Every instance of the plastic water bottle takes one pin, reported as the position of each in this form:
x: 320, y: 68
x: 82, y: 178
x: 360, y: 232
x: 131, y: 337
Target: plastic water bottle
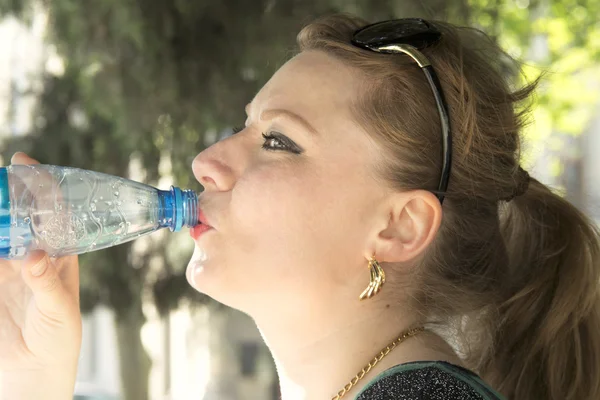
x: 64, y: 210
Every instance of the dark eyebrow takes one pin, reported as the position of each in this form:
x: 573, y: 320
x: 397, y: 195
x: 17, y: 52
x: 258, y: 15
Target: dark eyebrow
x: 282, y: 113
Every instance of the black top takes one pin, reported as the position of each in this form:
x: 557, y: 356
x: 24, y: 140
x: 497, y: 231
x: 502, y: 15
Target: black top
x: 428, y: 380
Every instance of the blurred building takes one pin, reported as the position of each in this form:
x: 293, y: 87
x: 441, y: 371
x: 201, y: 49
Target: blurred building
x: 196, y: 355
x: 23, y: 55
x: 589, y: 168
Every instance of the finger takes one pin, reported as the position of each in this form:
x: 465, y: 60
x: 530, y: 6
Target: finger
x: 22, y: 158
x: 7, y: 271
x: 69, y: 274
x: 41, y: 276
x: 42, y: 183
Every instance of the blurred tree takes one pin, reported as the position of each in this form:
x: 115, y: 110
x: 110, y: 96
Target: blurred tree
x: 153, y: 82
x: 561, y: 38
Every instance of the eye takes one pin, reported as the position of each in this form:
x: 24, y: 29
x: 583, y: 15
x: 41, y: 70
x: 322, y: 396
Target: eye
x: 275, y: 141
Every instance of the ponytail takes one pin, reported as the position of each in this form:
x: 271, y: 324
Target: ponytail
x: 547, y: 341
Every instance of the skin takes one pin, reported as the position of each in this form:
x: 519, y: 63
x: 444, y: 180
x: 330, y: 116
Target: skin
x: 293, y: 232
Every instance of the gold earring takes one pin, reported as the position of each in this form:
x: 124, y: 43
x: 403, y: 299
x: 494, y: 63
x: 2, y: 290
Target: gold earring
x: 377, y: 279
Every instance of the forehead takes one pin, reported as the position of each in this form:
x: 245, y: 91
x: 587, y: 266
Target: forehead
x: 314, y: 84
x: 322, y: 90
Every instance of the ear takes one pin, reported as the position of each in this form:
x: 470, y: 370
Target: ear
x: 409, y: 222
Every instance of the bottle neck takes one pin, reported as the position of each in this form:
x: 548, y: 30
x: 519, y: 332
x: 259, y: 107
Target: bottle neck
x: 177, y: 208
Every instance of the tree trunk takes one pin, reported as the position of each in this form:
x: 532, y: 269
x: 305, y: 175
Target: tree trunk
x: 135, y: 362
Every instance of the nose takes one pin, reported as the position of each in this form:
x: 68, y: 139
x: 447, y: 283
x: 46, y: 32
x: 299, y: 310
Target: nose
x: 212, y: 170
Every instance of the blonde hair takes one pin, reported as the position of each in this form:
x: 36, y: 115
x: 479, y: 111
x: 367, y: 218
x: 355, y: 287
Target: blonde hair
x: 520, y: 276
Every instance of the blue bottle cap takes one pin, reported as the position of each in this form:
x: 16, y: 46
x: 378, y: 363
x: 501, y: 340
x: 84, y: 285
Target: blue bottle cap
x: 4, y: 214
x: 178, y: 209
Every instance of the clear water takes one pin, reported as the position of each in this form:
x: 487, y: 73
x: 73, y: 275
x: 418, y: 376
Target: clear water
x: 73, y: 211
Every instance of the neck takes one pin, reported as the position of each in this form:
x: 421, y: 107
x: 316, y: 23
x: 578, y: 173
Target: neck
x: 317, y: 351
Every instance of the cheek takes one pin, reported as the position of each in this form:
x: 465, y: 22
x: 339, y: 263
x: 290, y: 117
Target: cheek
x: 271, y: 198
x: 294, y: 212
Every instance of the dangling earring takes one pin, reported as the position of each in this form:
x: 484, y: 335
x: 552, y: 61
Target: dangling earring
x: 377, y: 279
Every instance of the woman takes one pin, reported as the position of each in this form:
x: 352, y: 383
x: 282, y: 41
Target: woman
x: 367, y: 206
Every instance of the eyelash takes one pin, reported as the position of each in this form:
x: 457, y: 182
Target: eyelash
x: 285, y: 143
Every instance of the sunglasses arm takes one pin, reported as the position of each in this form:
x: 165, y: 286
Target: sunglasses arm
x: 442, y: 107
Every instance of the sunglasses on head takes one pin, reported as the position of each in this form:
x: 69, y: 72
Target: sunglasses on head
x: 408, y: 36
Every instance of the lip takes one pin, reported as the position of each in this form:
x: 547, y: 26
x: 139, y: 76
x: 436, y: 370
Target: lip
x: 202, y: 227
x: 199, y: 230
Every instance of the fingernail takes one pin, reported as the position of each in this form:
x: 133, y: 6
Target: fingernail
x: 39, y: 268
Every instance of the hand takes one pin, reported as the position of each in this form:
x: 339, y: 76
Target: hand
x: 40, y: 320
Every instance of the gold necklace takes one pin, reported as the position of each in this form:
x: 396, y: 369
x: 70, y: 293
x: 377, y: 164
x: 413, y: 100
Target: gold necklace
x: 384, y: 352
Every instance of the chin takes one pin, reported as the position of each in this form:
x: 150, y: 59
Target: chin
x: 211, y: 281
x: 201, y: 276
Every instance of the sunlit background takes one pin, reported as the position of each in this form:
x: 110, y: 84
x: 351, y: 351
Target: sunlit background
x: 137, y: 88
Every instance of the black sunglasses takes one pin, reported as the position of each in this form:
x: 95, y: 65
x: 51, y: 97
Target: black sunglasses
x: 408, y: 36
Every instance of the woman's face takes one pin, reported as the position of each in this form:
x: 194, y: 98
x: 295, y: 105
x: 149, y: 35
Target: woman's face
x: 291, y: 222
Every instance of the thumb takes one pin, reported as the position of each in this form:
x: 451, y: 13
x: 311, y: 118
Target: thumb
x: 41, y: 276
x: 22, y: 158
